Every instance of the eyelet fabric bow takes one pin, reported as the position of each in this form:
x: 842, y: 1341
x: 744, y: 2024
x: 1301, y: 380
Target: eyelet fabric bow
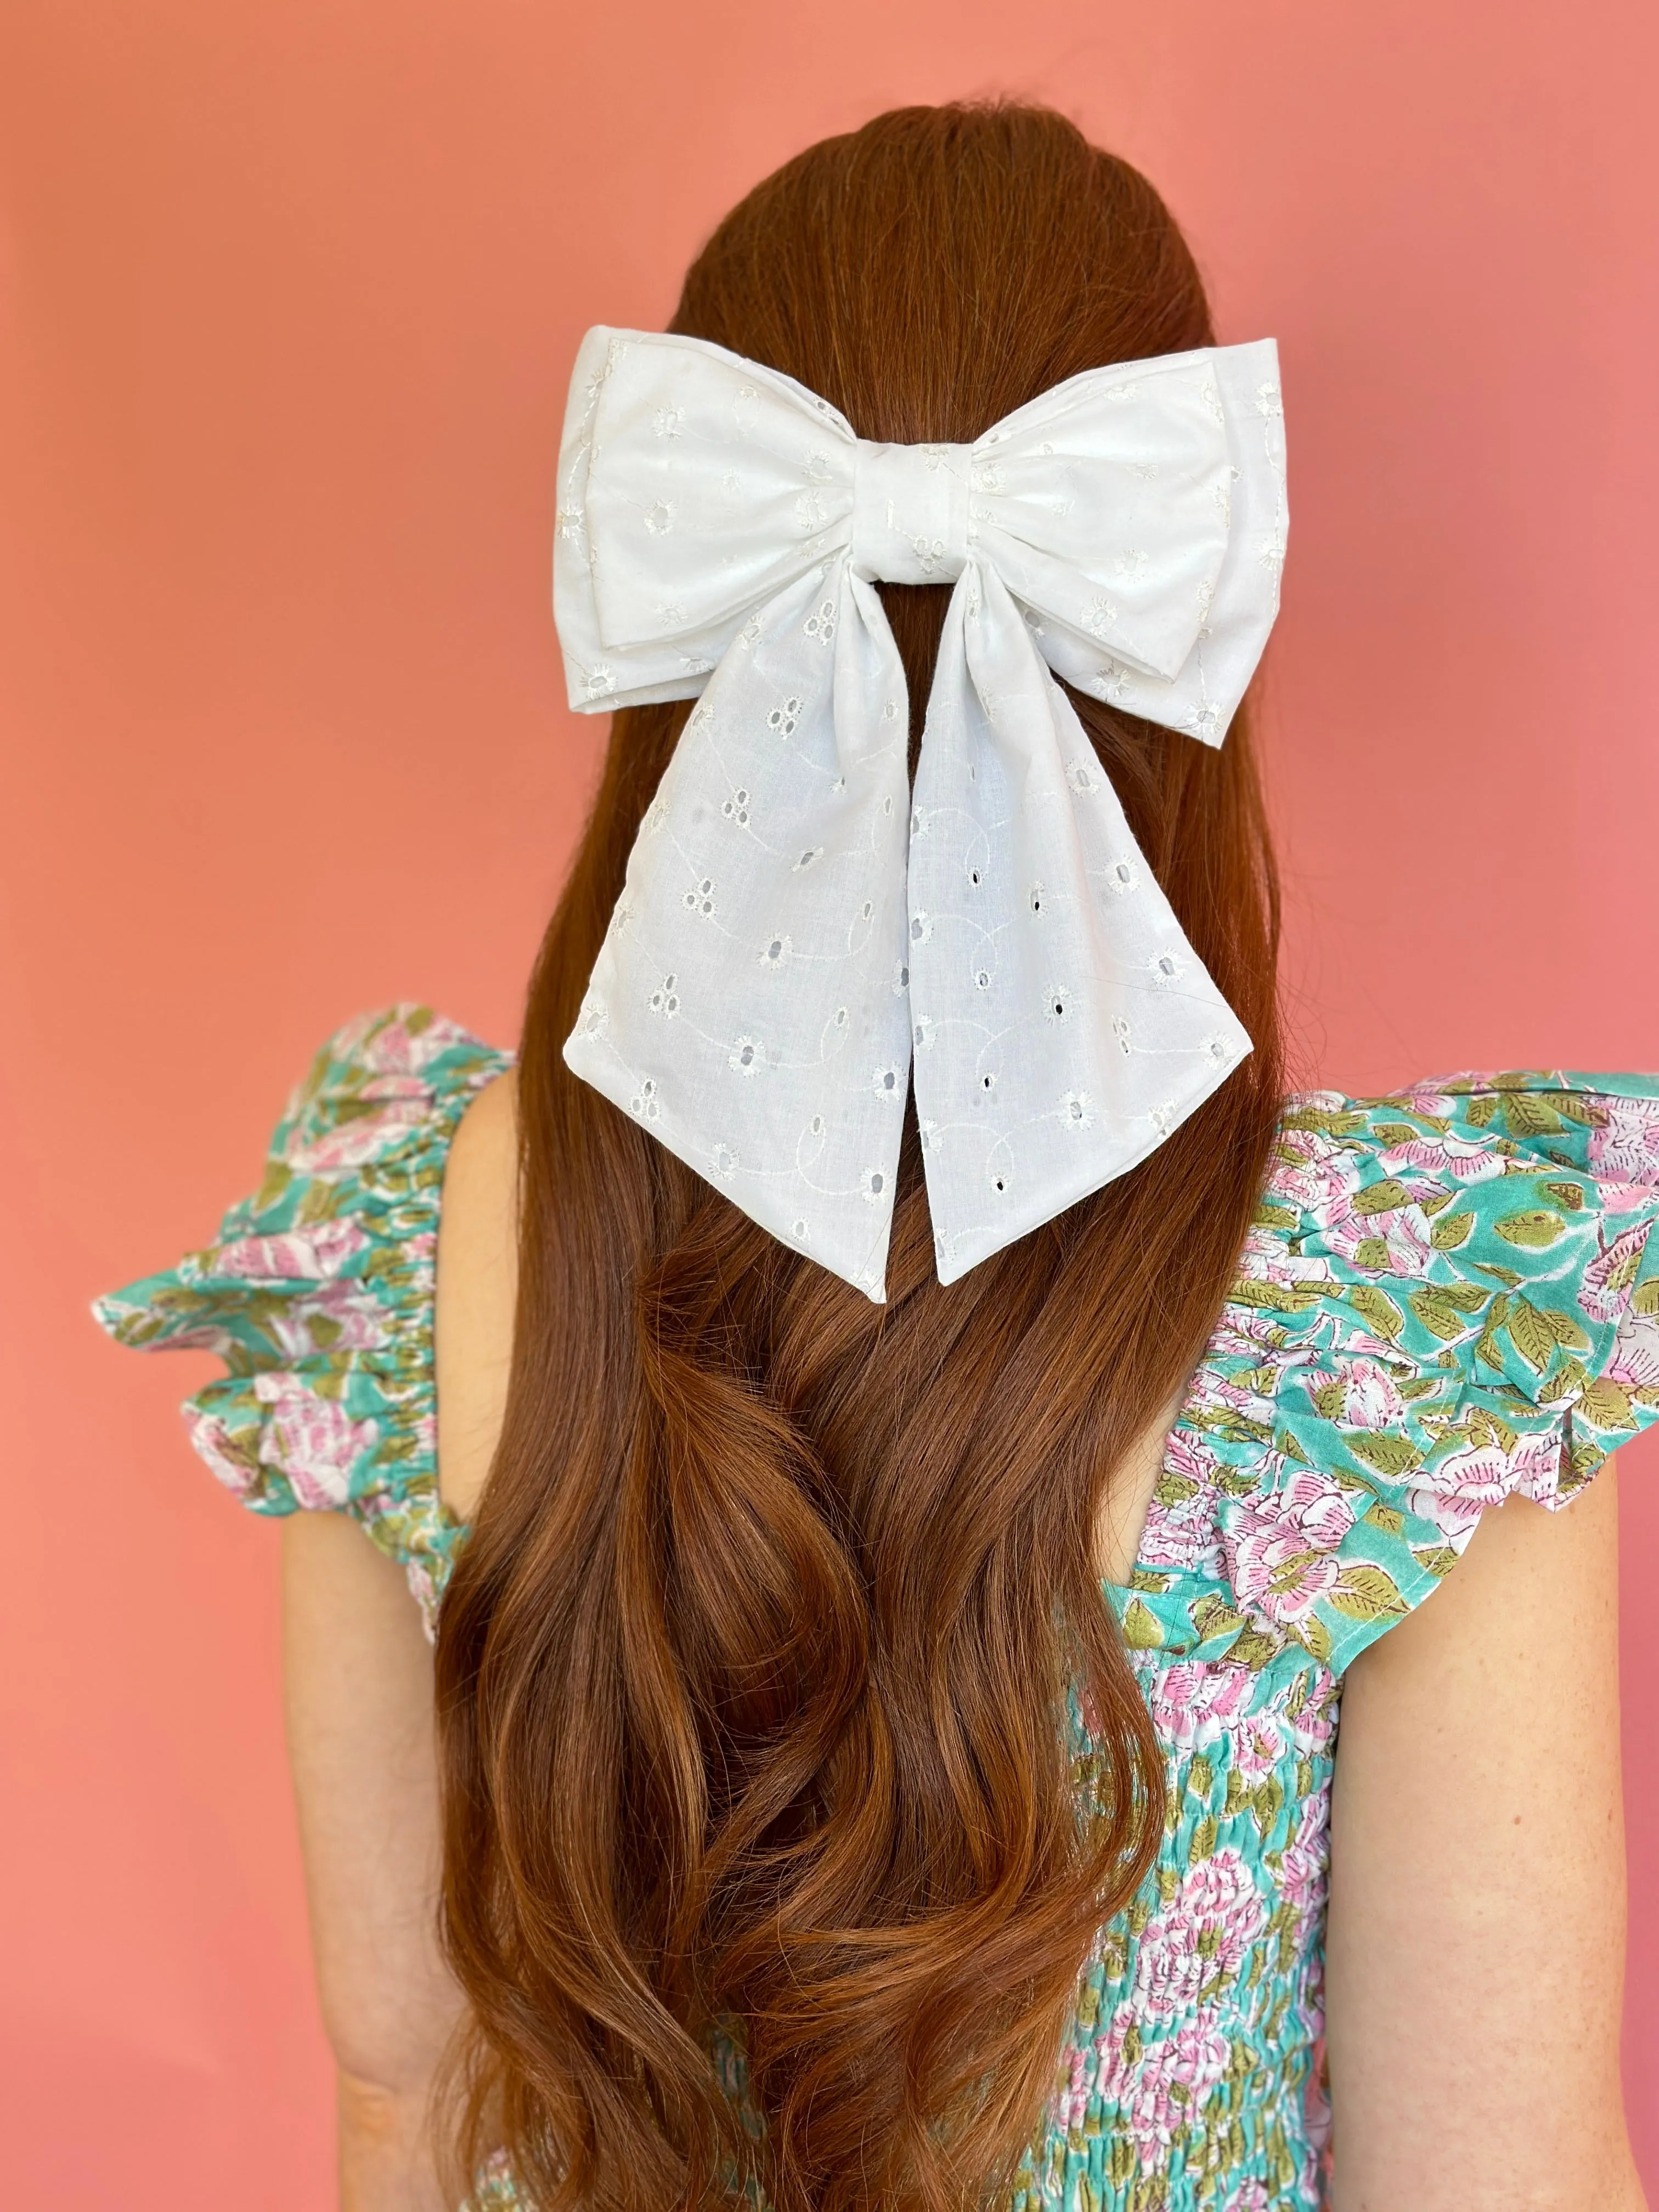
x: 800, y: 933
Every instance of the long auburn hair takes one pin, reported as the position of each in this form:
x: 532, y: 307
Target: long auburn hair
x: 753, y: 1676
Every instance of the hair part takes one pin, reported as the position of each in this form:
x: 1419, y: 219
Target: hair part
x: 755, y: 1673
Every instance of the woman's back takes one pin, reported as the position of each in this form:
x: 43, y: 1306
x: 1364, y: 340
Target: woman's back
x: 1446, y: 1302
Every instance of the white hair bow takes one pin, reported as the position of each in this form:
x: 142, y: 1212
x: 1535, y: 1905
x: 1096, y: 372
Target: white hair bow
x: 797, y: 923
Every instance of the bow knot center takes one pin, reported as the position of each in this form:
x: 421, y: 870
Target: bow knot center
x: 909, y: 513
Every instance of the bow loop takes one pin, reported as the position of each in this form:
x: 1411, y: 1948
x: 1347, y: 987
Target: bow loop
x: 798, y: 931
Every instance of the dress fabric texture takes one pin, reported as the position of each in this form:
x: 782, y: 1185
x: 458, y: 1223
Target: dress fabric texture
x: 1450, y: 1296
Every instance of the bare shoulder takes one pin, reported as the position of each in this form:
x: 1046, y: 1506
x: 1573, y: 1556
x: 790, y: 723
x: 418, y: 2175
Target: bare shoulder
x: 1476, y: 1928
x: 477, y: 1286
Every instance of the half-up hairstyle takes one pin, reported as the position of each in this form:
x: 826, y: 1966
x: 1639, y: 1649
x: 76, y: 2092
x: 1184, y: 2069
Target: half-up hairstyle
x: 770, y: 1861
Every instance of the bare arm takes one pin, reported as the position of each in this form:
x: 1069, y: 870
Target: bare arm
x: 361, y: 1737
x: 1477, y: 1916
x: 359, y: 1692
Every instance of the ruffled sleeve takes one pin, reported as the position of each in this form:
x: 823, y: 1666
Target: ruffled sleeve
x: 319, y: 1292
x: 1450, y: 1297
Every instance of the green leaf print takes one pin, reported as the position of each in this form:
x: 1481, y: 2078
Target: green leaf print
x: 1269, y: 1216
x: 1486, y: 1348
x: 1446, y: 1235
x: 1435, y: 1558
x: 1534, y: 1229
x: 1565, y: 1330
x: 277, y: 1177
x: 1212, y: 1616
x: 1376, y: 1309
x: 1389, y: 1456
x: 1437, y: 1312
x: 1141, y: 1631
x: 1569, y: 1194
x: 1275, y: 1298
x: 1575, y: 1106
x: 1252, y: 1649
x: 1385, y: 1518
x: 1527, y: 1115
x: 1315, y: 1637
x: 1606, y: 1405
x: 1530, y: 1334
x: 1365, y: 1592
x: 1384, y: 1197
x: 1645, y: 1298
x: 1148, y: 1579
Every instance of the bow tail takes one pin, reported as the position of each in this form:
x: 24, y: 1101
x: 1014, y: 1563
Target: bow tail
x: 748, y: 1007
x: 1063, y: 1024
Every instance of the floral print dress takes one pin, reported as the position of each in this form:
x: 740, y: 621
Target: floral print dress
x: 1450, y: 1296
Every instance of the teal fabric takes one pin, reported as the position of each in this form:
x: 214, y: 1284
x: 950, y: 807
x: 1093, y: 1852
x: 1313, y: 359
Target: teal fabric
x: 318, y: 1294
x: 1450, y: 1296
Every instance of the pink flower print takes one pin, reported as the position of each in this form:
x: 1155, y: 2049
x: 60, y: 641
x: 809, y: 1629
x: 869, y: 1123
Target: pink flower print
x: 1249, y: 2196
x: 1312, y: 1728
x: 337, y: 1317
x: 1257, y: 1746
x: 1155, y: 2092
x: 1635, y: 1358
x: 1198, y: 1941
x: 1213, y: 1392
x: 311, y: 1439
x: 391, y: 1048
x: 1311, y: 1172
x: 1282, y: 1544
x: 1461, y: 1158
x: 1610, y: 1276
x: 1453, y: 1493
x: 1197, y: 2055
x: 1114, y: 2077
x: 352, y: 1143
x: 1429, y: 1098
x: 309, y: 1255
x: 1072, y: 2106
x: 1371, y: 1397
x: 1182, y: 1533
x: 1626, y: 1147
x: 1193, y: 1701
x: 1394, y: 1243
x: 1265, y: 1260
x: 208, y: 1435
x: 1247, y: 1332
x: 1305, y: 1869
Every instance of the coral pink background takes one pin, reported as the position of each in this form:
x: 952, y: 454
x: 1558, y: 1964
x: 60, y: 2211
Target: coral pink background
x: 289, y: 293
